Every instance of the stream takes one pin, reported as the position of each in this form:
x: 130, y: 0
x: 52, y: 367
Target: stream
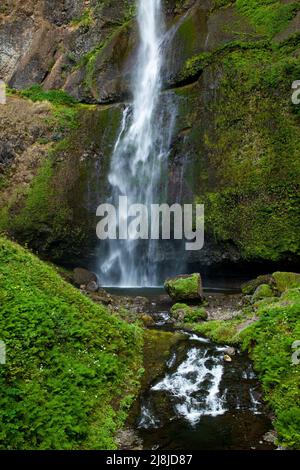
x: 191, y: 398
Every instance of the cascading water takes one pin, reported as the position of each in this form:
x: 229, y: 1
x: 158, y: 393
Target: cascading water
x: 140, y: 155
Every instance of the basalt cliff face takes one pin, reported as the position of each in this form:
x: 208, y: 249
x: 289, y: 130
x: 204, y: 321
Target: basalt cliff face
x: 236, y: 143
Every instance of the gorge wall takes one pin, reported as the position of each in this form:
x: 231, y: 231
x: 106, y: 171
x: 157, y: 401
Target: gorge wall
x: 236, y: 142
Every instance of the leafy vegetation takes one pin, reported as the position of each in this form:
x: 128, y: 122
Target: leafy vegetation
x: 189, y: 313
x: 268, y: 330
x: 268, y: 16
x: 71, y: 367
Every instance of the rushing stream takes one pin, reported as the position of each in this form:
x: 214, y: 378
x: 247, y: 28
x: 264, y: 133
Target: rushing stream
x: 195, y: 399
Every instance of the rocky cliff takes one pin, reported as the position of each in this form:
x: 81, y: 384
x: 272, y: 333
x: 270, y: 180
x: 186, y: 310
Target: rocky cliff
x: 236, y: 145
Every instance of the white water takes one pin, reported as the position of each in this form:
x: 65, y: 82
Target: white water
x: 196, y: 387
x: 140, y: 154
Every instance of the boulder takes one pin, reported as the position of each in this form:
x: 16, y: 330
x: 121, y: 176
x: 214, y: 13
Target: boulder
x: 230, y: 351
x: 185, y: 287
x: 261, y: 292
x: 188, y: 314
x: 83, y: 277
x: 284, y: 281
x: 227, y: 358
x: 249, y: 287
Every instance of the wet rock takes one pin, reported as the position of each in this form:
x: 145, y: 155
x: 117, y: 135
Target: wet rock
x: 147, y: 319
x: 92, y: 286
x: 270, y: 436
x: 227, y: 358
x: 230, y: 351
x: 185, y: 288
x: 83, y: 277
x: 101, y: 296
x: 127, y: 439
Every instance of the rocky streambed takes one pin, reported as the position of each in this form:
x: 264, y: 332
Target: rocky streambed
x: 194, y: 395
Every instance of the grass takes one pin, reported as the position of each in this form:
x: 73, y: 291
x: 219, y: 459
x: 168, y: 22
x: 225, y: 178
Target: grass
x: 71, y: 367
x: 269, y: 342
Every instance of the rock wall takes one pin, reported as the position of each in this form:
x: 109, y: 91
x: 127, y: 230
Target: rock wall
x: 236, y: 144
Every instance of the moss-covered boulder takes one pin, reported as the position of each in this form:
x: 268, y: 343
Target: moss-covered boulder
x: 188, y: 314
x: 249, y: 287
x: 261, y: 292
x: 187, y: 287
x: 284, y: 281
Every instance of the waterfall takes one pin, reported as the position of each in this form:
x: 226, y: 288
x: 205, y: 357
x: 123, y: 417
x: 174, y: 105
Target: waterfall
x: 139, y: 159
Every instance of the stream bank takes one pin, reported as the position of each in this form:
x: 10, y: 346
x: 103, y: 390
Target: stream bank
x: 190, y: 397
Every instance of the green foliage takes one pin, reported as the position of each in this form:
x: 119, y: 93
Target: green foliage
x: 284, y: 281
x: 191, y: 314
x: 219, y: 330
x: 249, y: 287
x: 85, y: 20
x: 183, y: 287
x: 255, y: 155
x: 269, y: 341
x: 262, y: 291
x: 68, y: 360
x: 58, y: 97
x: 268, y: 16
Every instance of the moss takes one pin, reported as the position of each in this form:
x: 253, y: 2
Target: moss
x: 254, y: 156
x: 268, y: 16
x: 269, y: 339
x: 262, y: 291
x: 56, y: 214
x: 85, y: 21
x: 220, y: 331
x: 72, y: 368
x: 187, y: 313
x: 284, y: 281
x: 184, y: 287
x: 249, y: 287
x: 57, y: 97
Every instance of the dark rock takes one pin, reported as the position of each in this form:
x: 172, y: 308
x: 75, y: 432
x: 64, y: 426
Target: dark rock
x: 7, y: 155
x: 83, y: 277
x: 92, y: 286
x: 230, y: 351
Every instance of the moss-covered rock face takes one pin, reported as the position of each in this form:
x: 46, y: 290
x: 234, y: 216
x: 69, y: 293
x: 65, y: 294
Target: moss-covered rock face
x: 58, y: 176
x: 185, y: 287
x: 188, y: 314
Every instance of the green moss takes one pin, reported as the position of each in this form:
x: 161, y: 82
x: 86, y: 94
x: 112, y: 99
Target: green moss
x: 58, y: 97
x: 268, y: 16
x: 184, y: 287
x: 249, y: 287
x: 85, y: 21
x: 269, y: 341
x: 262, y: 291
x: 253, y: 153
x: 284, y: 281
x: 219, y: 330
x: 190, y: 314
x: 68, y: 360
